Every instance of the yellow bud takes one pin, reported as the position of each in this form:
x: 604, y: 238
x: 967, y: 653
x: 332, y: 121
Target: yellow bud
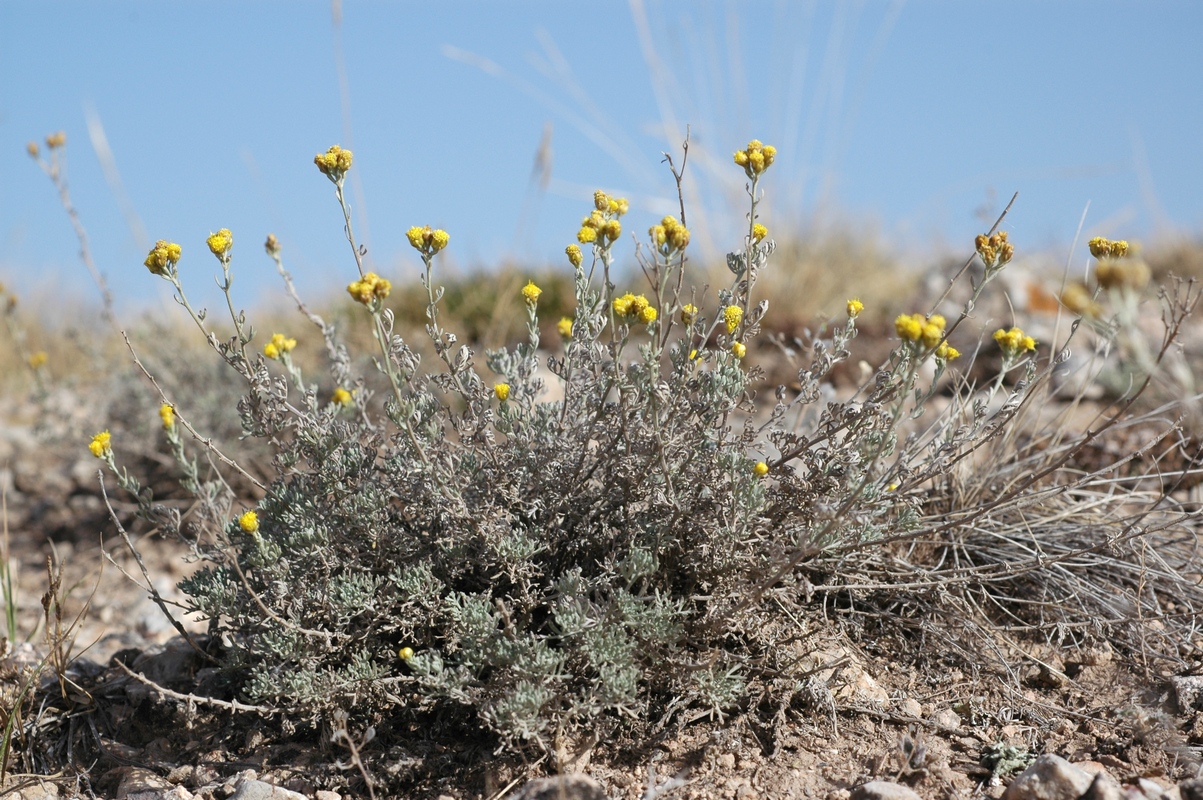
x: 502, y: 391
x: 32, y: 149
x: 564, y: 326
x: 272, y: 244
x: 101, y: 444
x: 531, y: 293
x: 575, y: 258
x: 341, y: 397
x: 739, y: 349
x: 732, y: 316
x: 586, y: 235
x: 689, y: 313
x: 647, y: 316
x: 761, y: 469
x: 220, y: 243
x: 405, y: 653
x: 601, y: 200
x: 249, y: 522
x: 854, y: 308
x: 167, y: 414
x: 759, y: 232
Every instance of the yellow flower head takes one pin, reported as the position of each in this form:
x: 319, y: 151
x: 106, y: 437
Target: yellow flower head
x: 756, y: 157
x: 56, y: 140
x: 586, y: 235
x: 427, y: 240
x: 38, y: 359
x: 739, y: 349
x: 759, y: 232
x: 370, y: 287
x: 638, y: 305
x: 564, y: 326
x: 249, y: 522
x: 933, y: 330
x: 619, y: 206
x: 670, y: 235
x: 909, y: 326
x: 333, y: 163
x: 278, y: 346
x: 405, y: 653
x: 271, y: 244
x: 341, y: 397
x: 163, y: 257
x: 167, y: 414
x: 855, y: 306
x: 575, y: 258
x: 1104, y: 249
x: 502, y: 391
x: 648, y: 315
x: 612, y: 230
x: 689, y: 312
x: 1014, y: 341
x: 733, y: 315
x: 32, y: 149
x: 101, y: 444
x: 220, y: 243
x: 601, y: 200
x: 761, y: 469
x: 947, y: 352
x: 622, y: 305
x: 531, y: 293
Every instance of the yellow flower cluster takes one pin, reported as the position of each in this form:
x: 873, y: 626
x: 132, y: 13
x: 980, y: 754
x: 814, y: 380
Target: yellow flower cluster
x: 56, y: 140
x: 919, y: 328
x: 167, y: 414
x: 1116, y: 268
x: 733, y: 315
x: 1102, y: 248
x: 575, y: 257
x: 739, y: 349
x: 101, y: 444
x: 341, y: 397
x: 278, y: 346
x: 163, y: 257
x: 333, y: 163
x: 946, y: 352
x: 759, y: 232
x: 564, y: 326
x: 756, y: 157
x: 369, y: 288
x: 249, y: 522
x: 669, y: 236
x: 530, y: 293
x: 854, y: 308
x: 994, y: 250
x: 602, y: 224
x: 1014, y: 341
x: 220, y: 243
x: 689, y: 312
x: 501, y: 391
x: 635, y: 307
x: 427, y: 240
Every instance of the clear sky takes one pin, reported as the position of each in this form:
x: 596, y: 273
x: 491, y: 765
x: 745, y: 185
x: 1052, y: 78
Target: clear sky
x: 916, y: 119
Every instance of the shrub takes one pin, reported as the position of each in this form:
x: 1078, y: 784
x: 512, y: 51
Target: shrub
x: 624, y: 549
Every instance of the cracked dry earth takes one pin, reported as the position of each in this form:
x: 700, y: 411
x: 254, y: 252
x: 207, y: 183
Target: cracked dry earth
x: 881, y: 708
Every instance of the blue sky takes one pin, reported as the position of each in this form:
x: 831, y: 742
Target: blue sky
x: 915, y: 120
